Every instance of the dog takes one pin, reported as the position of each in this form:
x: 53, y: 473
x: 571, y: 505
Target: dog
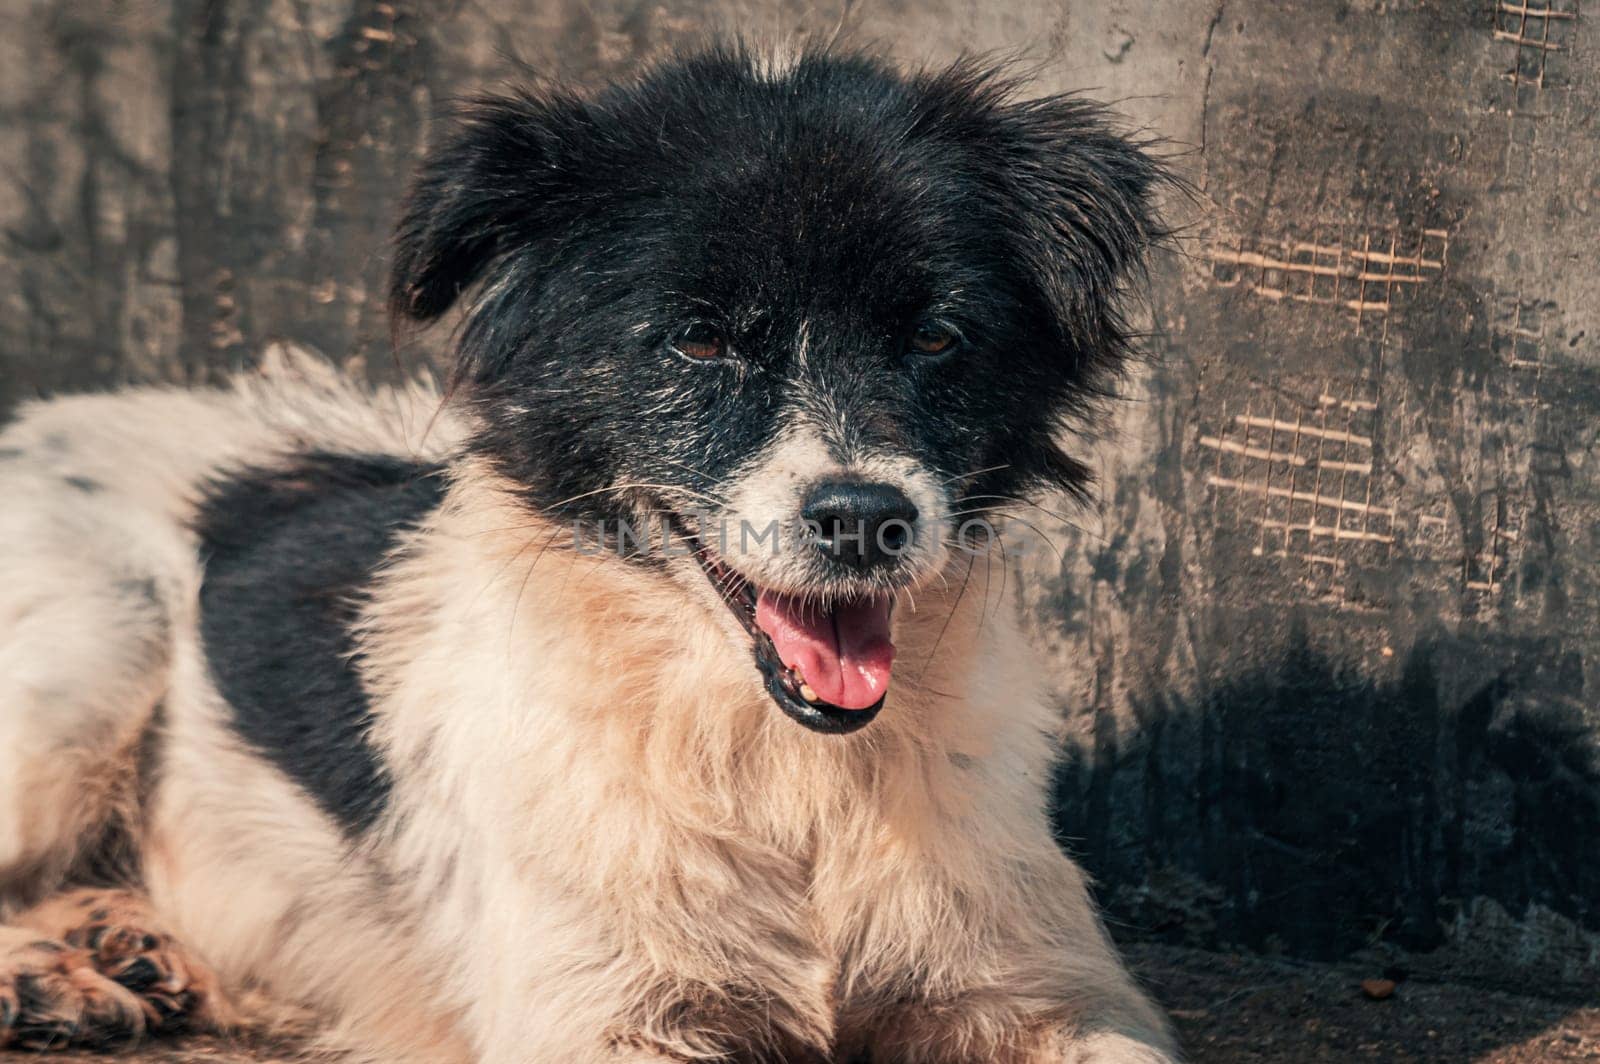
x: 641, y: 692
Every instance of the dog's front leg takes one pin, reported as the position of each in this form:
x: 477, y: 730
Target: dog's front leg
x: 1118, y: 1027
x: 1075, y: 1046
x: 1010, y: 964
x: 1103, y: 1016
x: 1098, y: 1015
x: 601, y: 982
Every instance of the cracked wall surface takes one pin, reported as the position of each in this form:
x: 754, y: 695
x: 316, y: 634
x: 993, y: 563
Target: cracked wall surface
x: 1327, y: 645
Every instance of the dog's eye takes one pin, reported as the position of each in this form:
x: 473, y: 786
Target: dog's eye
x: 934, y: 338
x: 700, y: 341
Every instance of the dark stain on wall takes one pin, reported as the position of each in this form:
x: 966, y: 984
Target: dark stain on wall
x: 1305, y: 808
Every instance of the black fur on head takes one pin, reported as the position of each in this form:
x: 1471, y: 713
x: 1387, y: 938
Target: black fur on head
x: 813, y: 219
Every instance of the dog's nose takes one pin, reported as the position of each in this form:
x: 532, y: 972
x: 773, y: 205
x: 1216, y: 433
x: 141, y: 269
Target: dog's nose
x: 861, y: 524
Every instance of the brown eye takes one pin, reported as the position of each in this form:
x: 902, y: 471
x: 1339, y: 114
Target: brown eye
x: 701, y: 341
x: 934, y: 338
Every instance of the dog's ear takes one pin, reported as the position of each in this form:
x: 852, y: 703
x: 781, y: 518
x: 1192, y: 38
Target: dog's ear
x: 1084, y: 213
x: 1074, y: 195
x: 500, y: 178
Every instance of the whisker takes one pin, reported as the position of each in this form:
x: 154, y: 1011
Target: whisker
x: 548, y: 510
x: 1005, y: 571
x: 915, y: 683
x: 1063, y: 518
x: 932, y: 654
x: 976, y: 472
x: 522, y: 588
x: 686, y: 467
x: 1060, y: 554
x: 1099, y: 537
x: 629, y: 485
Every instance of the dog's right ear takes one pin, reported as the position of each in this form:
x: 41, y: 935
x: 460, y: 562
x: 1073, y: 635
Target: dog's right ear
x: 501, y: 178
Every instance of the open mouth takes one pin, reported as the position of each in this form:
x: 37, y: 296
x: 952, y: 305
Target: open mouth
x: 826, y: 664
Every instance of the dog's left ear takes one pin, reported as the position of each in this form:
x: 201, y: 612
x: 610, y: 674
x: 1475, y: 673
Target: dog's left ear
x: 1078, y: 199
x: 502, y: 178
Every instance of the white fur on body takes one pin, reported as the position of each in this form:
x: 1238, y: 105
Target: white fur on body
x: 604, y: 842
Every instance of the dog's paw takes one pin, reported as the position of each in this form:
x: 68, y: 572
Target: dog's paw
x: 148, y: 963
x: 1107, y: 1047
x: 118, y: 933
x: 53, y: 997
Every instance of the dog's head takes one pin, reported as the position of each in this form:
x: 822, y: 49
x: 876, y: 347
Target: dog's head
x: 815, y: 318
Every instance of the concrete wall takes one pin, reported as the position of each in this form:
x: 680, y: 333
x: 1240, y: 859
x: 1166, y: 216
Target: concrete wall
x: 1328, y: 647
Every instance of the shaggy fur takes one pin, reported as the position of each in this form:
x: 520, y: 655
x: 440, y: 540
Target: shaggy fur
x: 373, y: 726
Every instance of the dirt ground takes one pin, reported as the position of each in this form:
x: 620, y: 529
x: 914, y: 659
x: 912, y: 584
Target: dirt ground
x: 1245, y: 1010
x: 1236, y: 1010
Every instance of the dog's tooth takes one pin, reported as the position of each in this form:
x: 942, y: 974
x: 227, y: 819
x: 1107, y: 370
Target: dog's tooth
x: 807, y: 693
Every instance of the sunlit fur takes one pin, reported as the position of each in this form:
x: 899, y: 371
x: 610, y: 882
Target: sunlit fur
x: 602, y: 842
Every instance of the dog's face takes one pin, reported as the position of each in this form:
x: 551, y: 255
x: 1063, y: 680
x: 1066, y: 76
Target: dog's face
x: 810, y: 320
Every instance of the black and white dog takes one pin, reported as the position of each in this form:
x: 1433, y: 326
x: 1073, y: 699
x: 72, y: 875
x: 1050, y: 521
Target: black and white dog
x: 639, y: 698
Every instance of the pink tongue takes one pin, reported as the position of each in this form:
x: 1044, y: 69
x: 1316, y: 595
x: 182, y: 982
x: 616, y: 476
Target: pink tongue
x: 843, y: 653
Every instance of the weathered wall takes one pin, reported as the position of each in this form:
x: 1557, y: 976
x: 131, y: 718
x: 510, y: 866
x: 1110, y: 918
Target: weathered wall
x: 1341, y: 604
x: 1327, y: 648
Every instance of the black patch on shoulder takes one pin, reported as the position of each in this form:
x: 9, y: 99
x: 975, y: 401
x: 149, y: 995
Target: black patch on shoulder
x: 84, y: 484
x: 289, y: 554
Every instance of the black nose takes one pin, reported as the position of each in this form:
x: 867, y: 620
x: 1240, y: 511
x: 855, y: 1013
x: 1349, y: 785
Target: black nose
x: 860, y: 524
